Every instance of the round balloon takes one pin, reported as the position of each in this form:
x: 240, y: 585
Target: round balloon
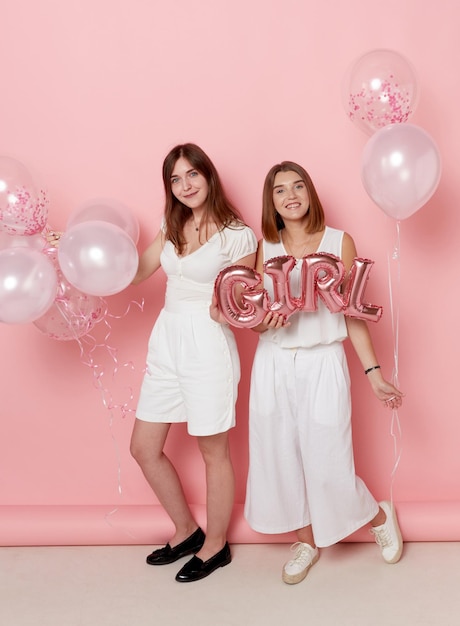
x: 98, y: 258
x: 23, y: 211
x: 37, y: 241
x: 28, y: 285
x: 107, y: 210
x: 401, y: 169
x: 73, y: 313
x: 379, y: 89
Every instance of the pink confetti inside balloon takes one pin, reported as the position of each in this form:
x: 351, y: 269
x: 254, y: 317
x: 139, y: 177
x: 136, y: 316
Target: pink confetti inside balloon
x: 380, y: 89
x: 23, y: 210
x: 73, y: 313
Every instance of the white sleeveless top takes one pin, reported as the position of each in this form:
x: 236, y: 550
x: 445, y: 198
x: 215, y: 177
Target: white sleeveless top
x: 308, y: 328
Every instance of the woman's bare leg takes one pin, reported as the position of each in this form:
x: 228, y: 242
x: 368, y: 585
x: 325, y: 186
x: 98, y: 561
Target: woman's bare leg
x: 305, y: 535
x: 220, y: 483
x: 147, y: 443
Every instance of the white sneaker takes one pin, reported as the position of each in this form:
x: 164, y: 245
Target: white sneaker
x: 388, y: 535
x: 297, y: 568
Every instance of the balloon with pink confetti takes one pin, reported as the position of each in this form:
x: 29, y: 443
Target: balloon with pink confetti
x: 379, y: 89
x: 23, y: 210
x: 73, y: 313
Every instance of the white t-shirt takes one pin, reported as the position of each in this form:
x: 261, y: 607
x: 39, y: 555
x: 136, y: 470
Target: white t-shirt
x: 191, y: 278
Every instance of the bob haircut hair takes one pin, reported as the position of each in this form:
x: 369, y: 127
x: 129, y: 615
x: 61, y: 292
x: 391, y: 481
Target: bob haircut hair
x: 218, y: 208
x: 272, y: 222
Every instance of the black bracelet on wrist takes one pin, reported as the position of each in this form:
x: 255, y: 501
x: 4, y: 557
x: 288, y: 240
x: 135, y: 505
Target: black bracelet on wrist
x: 369, y: 369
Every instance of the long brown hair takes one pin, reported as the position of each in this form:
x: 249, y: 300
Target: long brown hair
x: 272, y: 221
x: 218, y: 209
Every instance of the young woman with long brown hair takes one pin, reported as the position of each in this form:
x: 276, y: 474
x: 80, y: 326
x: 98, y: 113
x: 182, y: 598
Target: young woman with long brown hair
x: 192, y: 366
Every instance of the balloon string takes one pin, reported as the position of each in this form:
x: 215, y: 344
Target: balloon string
x: 395, y: 427
x: 88, y: 346
x: 108, y: 517
x: 98, y: 371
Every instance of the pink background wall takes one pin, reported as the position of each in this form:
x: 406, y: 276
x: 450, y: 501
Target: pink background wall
x: 94, y: 94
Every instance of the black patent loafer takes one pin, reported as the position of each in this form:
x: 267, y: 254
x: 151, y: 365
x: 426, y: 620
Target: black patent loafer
x: 166, y: 555
x: 196, y: 569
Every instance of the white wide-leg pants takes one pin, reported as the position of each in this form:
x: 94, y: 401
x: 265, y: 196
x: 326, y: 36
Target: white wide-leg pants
x: 301, y: 458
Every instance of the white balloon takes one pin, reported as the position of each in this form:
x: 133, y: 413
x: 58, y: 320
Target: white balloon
x: 36, y: 241
x: 401, y: 169
x: 98, y: 257
x: 28, y: 285
x: 106, y: 210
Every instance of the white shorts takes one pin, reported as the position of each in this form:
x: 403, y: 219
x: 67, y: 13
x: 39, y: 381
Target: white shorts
x: 301, y: 468
x: 192, y: 374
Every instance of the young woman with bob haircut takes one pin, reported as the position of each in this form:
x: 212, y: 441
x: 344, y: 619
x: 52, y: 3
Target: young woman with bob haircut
x: 301, y: 472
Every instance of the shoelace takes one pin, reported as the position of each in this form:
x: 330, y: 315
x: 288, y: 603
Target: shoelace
x: 382, y: 536
x: 303, y: 553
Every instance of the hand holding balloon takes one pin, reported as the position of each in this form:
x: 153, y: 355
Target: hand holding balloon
x: 215, y: 312
x: 272, y: 321
x: 385, y: 391
x: 52, y: 238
